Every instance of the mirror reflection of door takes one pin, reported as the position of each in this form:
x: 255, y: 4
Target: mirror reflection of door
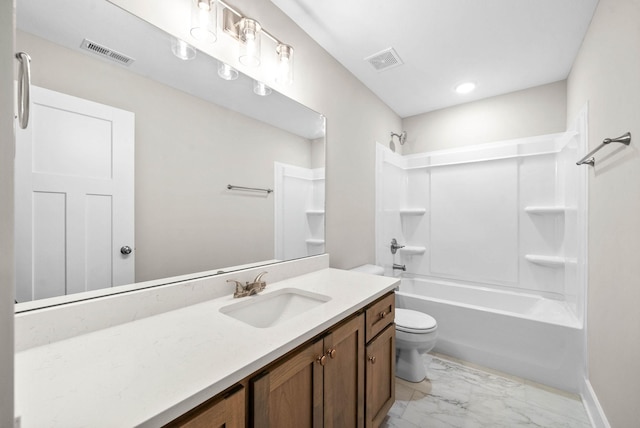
x: 74, y: 197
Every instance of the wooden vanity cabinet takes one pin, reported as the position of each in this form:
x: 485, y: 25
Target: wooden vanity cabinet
x: 345, y: 377
x: 380, y: 355
x: 321, y: 385
x: 227, y: 410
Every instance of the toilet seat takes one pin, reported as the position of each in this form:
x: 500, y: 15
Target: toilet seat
x: 415, y: 322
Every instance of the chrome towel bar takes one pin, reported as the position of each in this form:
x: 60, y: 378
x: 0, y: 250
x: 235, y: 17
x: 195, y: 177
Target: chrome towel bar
x: 250, y: 189
x: 590, y: 160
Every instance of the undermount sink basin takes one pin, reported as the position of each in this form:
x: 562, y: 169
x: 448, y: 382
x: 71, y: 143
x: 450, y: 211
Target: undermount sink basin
x: 270, y: 309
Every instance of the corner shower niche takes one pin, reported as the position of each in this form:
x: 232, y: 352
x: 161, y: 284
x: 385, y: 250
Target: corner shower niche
x: 503, y: 215
x: 299, y: 204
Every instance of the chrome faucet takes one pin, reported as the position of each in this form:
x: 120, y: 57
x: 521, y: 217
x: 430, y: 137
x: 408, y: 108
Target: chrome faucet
x: 250, y: 288
x: 399, y: 267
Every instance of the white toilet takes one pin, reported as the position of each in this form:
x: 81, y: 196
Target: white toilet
x: 416, y: 334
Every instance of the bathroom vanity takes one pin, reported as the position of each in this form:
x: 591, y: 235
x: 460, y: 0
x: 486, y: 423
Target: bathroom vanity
x: 321, y: 383
x: 219, y: 357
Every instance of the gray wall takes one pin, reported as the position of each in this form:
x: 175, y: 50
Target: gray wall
x: 606, y: 75
x: 6, y: 212
x: 535, y: 111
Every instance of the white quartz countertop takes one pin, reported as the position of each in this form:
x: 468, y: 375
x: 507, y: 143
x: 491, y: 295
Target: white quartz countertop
x: 149, y: 371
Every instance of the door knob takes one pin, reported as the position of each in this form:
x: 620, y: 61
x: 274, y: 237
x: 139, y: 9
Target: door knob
x: 126, y: 250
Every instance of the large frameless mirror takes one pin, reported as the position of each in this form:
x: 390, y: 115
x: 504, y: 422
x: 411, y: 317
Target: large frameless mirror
x: 139, y: 166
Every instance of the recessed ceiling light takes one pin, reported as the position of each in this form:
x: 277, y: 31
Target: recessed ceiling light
x: 465, y: 88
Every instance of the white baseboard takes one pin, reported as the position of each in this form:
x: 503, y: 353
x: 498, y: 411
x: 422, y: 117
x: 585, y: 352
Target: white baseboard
x: 592, y: 405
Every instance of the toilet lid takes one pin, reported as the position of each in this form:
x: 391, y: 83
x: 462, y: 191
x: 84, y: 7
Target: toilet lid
x: 414, y: 321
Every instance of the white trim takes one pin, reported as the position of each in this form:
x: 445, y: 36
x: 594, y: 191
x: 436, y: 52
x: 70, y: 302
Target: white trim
x: 591, y: 404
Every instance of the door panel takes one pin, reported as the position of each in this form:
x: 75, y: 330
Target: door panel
x: 74, y: 199
x: 381, y: 368
x: 290, y: 395
x: 344, y: 375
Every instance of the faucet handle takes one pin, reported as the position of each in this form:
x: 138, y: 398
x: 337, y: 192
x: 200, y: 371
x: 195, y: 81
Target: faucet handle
x: 259, y: 277
x: 239, y: 286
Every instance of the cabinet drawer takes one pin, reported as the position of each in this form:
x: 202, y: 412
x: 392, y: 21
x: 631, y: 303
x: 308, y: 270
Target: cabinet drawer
x: 379, y: 315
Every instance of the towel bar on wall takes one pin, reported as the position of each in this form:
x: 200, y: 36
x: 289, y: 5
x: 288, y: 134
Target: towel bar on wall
x: 590, y: 160
x: 250, y: 189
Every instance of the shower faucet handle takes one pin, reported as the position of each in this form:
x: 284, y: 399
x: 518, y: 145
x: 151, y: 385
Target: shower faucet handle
x: 394, y: 246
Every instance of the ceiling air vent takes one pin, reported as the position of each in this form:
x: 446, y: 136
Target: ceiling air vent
x: 384, y: 60
x: 105, y: 52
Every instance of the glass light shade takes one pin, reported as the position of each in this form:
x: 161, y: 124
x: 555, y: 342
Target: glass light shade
x: 261, y: 89
x: 285, y: 64
x: 249, y: 42
x: 226, y: 72
x: 182, y: 49
x: 204, y: 20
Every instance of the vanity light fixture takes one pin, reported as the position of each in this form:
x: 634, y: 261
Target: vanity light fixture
x: 182, y: 49
x: 285, y: 64
x: 259, y: 88
x: 248, y: 33
x: 465, y: 88
x: 226, y: 72
x: 204, y: 19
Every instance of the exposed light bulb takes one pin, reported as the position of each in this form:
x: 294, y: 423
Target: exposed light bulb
x: 250, y: 42
x: 204, y: 17
x: 285, y: 64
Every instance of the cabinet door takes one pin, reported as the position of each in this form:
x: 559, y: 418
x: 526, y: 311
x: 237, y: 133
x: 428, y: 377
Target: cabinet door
x: 225, y: 412
x: 381, y: 368
x: 290, y: 395
x: 344, y: 375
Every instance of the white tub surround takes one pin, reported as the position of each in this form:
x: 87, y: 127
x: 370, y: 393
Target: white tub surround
x: 149, y: 371
x: 508, y: 215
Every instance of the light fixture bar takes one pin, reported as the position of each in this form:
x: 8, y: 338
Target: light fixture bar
x: 231, y: 22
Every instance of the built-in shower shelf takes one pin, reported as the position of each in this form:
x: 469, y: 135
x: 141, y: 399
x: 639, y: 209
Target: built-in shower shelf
x: 413, y: 211
x: 315, y: 241
x: 315, y: 212
x: 412, y: 250
x: 549, y: 261
x: 545, y: 209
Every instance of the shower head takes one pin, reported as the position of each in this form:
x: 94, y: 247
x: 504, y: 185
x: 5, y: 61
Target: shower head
x: 402, y: 137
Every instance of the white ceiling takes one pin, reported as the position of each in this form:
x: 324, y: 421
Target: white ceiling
x: 502, y: 45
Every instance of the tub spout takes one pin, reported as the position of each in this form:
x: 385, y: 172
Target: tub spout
x: 399, y: 267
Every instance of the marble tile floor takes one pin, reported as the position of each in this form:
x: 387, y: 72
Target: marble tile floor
x: 458, y: 394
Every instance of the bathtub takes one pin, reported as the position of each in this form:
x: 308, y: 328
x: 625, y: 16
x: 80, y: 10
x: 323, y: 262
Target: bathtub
x: 523, y: 335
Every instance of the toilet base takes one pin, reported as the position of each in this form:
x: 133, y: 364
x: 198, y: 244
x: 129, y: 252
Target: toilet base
x: 409, y: 365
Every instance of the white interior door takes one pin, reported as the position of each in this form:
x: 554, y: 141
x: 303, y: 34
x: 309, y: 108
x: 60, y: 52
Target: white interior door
x: 74, y: 197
